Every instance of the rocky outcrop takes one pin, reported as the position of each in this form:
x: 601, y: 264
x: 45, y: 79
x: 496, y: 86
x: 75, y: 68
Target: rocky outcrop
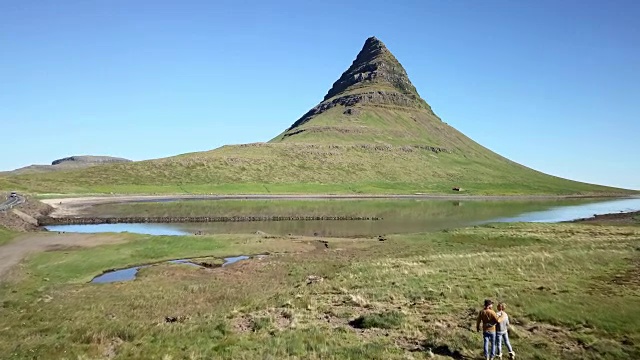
x: 364, y: 146
x: 375, y: 78
x: 71, y: 162
x: 374, y: 64
x: 326, y: 129
x: 89, y: 159
x: 371, y: 98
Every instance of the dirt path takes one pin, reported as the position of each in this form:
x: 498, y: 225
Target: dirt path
x: 12, y: 253
x: 75, y: 206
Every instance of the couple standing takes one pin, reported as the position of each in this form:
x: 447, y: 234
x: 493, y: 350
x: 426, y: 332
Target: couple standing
x: 490, y: 320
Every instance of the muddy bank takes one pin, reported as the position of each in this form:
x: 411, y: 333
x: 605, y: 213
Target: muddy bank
x: 47, y: 220
x: 615, y: 218
x: 11, y: 254
x: 25, y: 216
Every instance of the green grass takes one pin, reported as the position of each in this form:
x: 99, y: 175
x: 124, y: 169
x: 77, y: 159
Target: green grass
x: 6, y: 235
x: 571, y: 292
x: 306, y: 168
x: 384, y: 320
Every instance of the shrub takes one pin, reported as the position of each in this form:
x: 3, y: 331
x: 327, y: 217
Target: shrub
x: 385, y: 320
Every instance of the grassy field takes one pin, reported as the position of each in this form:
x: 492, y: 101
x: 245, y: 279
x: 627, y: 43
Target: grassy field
x: 307, y: 168
x: 571, y: 291
x: 5, y: 235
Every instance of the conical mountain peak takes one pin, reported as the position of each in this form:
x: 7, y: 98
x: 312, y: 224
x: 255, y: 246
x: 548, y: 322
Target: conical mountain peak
x: 372, y: 101
x: 375, y: 67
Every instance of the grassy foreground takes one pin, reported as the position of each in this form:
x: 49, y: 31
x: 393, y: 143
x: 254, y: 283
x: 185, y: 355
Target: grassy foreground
x: 571, y: 290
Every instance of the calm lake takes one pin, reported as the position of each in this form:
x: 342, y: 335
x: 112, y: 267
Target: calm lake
x: 399, y: 216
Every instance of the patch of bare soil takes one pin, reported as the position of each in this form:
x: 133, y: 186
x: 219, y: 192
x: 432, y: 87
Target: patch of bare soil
x: 631, y: 277
x: 558, y: 336
x: 24, y: 216
x: 273, y: 318
x: 111, y: 348
x: 11, y: 254
x: 13, y: 221
x: 620, y: 282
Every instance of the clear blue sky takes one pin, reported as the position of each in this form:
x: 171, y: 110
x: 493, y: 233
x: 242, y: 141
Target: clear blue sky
x: 554, y: 85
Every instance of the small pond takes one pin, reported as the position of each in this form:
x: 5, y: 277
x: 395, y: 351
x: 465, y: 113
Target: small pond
x: 128, y: 274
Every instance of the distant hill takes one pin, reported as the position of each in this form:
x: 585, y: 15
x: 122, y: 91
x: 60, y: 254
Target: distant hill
x: 89, y: 159
x: 72, y: 162
x: 371, y: 133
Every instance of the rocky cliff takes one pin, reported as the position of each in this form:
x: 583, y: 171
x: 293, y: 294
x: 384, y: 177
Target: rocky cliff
x: 89, y: 159
x: 375, y: 77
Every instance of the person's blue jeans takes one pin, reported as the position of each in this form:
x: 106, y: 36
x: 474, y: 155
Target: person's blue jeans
x: 489, y: 338
x: 504, y: 337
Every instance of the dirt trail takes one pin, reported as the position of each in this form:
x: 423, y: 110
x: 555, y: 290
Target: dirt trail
x: 12, y: 253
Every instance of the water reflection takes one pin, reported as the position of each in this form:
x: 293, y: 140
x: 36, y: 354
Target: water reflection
x: 400, y: 216
x: 117, y: 275
x: 231, y: 260
x: 568, y: 213
x: 128, y: 274
x: 149, y: 229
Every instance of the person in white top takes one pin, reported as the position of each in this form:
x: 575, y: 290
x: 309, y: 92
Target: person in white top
x: 502, y: 332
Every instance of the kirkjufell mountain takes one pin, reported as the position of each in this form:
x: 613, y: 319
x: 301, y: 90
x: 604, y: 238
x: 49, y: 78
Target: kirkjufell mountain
x: 375, y: 102
x: 371, y: 133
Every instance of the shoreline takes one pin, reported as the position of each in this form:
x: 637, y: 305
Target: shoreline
x: 48, y: 221
x: 619, y: 217
x: 93, y: 200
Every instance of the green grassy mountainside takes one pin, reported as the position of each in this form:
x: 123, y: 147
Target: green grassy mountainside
x: 372, y: 133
